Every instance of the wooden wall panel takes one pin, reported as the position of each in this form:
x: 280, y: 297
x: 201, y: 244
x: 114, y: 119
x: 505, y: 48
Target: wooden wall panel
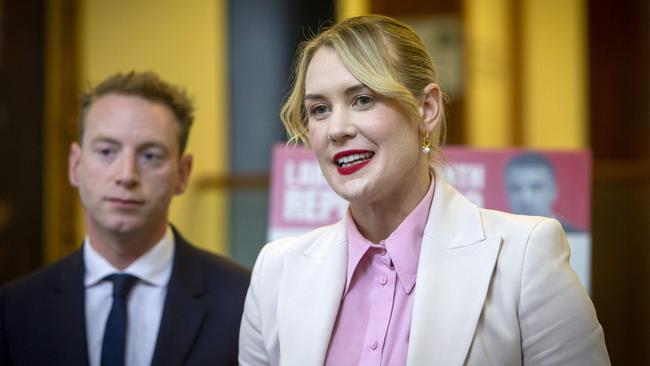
x: 619, y: 44
x: 21, y: 99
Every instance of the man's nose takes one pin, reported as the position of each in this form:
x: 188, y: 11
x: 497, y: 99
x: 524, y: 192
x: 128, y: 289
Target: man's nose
x: 128, y: 174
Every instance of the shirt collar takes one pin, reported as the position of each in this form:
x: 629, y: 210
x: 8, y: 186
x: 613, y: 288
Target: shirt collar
x: 403, y: 245
x: 153, y: 267
x: 358, y: 245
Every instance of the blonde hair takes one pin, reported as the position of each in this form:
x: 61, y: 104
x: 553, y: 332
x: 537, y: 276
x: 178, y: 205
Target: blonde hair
x: 384, y: 54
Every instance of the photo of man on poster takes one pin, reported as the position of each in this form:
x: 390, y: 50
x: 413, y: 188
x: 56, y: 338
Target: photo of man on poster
x: 532, y: 187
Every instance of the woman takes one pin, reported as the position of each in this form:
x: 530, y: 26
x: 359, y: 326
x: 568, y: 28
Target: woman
x: 414, y: 274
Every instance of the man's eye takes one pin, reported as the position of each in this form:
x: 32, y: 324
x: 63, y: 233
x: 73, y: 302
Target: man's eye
x: 152, y: 156
x: 106, y: 151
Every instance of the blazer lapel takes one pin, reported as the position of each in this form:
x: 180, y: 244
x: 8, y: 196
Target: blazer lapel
x: 454, y: 273
x: 68, y: 325
x: 184, y: 311
x: 310, y: 294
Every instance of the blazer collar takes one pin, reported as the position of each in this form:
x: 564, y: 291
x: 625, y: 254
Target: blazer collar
x: 453, y: 221
x: 312, y: 285
x: 184, y: 311
x: 68, y: 325
x: 456, y: 265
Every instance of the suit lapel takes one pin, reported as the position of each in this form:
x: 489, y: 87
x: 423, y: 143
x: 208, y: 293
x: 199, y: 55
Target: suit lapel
x: 68, y: 325
x: 184, y: 310
x: 454, y: 273
x: 310, y: 294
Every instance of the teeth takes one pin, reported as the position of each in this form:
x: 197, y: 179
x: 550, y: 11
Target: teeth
x: 351, y: 159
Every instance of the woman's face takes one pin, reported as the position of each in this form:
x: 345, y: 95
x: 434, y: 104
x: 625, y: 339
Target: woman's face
x: 366, y: 145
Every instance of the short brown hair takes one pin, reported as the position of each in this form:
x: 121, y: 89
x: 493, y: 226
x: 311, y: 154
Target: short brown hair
x: 146, y: 85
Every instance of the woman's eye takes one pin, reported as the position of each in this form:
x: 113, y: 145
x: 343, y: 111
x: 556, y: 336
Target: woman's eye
x: 319, y: 111
x: 363, y: 101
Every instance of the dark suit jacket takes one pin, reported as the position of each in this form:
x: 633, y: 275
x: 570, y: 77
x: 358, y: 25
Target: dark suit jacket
x: 42, y: 318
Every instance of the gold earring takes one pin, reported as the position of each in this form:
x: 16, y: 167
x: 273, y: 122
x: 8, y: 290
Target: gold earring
x: 426, y: 143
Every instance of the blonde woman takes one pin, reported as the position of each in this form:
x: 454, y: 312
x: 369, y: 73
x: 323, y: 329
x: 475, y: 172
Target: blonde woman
x: 414, y: 274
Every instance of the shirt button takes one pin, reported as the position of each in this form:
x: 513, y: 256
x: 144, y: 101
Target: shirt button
x: 383, y: 280
x: 374, y: 345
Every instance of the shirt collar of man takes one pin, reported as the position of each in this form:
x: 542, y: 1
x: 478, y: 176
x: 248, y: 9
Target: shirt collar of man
x: 403, y: 245
x: 152, y: 268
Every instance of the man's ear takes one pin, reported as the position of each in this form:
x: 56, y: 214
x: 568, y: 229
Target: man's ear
x: 74, y: 158
x: 184, y: 170
x: 431, y: 107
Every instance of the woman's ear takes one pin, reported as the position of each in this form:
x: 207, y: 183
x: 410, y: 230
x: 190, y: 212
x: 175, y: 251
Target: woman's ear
x: 431, y: 107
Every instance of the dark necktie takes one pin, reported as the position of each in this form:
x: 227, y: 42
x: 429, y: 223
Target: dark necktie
x: 115, y: 331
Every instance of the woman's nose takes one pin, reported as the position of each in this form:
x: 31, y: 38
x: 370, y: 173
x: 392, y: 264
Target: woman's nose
x: 341, y: 128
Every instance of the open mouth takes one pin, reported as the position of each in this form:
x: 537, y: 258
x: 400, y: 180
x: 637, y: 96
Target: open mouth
x: 353, y: 159
x: 349, y: 162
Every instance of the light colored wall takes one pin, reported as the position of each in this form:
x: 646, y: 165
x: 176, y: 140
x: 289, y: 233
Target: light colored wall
x: 185, y: 43
x: 555, y: 73
x: 551, y: 55
x: 350, y: 8
x: 488, y: 64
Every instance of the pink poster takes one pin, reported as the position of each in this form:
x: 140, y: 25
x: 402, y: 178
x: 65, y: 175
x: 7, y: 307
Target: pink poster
x: 301, y: 200
x: 550, y: 183
x: 544, y: 183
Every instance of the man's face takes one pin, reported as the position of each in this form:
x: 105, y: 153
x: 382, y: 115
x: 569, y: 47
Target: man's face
x: 531, y: 190
x: 128, y: 166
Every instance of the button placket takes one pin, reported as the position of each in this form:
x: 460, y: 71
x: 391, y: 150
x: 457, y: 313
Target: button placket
x: 380, y: 309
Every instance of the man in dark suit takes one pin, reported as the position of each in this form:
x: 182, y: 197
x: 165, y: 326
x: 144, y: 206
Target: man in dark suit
x: 136, y: 292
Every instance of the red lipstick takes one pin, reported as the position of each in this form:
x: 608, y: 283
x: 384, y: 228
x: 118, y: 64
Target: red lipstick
x: 352, y: 168
x: 349, y: 167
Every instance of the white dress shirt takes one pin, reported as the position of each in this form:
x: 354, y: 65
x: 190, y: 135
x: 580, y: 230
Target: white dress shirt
x: 145, y: 301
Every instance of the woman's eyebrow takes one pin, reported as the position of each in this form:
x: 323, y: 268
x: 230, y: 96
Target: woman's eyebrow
x: 352, y: 89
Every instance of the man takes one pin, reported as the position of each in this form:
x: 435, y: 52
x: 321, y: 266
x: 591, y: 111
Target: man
x: 136, y: 293
x: 532, y: 190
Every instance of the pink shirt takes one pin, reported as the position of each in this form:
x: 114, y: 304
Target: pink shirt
x: 374, y: 319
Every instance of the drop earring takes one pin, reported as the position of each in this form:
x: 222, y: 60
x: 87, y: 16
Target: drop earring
x: 426, y: 143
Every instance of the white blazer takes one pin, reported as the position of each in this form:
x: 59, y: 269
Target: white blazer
x: 492, y: 289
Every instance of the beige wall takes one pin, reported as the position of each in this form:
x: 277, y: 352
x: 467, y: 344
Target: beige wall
x: 554, y: 74
x: 489, y: 73
x: 542, y: 69
x: 185, y: 43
